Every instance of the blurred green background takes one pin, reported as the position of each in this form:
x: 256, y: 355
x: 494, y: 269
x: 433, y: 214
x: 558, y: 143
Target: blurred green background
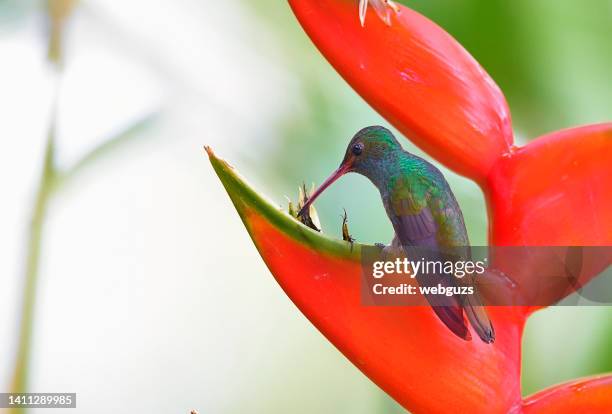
x: 150, y: 295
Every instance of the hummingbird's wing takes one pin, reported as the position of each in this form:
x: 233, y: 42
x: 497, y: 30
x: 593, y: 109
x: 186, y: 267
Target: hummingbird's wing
x: 416, y: 230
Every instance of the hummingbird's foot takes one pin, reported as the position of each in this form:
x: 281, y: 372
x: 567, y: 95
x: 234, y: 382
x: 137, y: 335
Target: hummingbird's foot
x: 391, y: 251
x: 383, y: 9
x: 346, y: 236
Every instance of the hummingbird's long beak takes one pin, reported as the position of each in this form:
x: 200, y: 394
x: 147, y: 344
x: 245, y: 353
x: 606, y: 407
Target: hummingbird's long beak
x: 343, y: 169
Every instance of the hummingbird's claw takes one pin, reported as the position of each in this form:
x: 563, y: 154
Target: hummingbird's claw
x: 390, y: 251
x: 383, y: 9
x: 346, y: 236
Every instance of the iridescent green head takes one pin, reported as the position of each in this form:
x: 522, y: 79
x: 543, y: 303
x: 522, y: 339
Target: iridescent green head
x: 370, y: 150
x: 371, y: 153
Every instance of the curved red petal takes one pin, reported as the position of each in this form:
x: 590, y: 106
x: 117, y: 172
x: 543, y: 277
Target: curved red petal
x: 407, y: 351
x: 418, y: 77
x: 554, y: 192
x: 588, y: 395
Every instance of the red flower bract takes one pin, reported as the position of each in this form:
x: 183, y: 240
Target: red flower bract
x: 554, y: 191
x: 419, y: 78
x: 407, y: 351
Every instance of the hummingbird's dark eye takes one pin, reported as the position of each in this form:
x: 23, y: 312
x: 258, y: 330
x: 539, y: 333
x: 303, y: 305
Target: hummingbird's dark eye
x: 357, y: 148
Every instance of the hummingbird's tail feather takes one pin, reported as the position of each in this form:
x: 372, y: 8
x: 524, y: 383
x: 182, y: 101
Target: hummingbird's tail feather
x: 479, y: 319
x: 448, y: 308
x: 452, y: 317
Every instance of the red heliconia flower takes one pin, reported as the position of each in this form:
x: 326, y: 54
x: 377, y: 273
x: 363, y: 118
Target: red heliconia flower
x: 554, y: 191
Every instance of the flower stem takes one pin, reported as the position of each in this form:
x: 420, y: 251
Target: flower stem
x: 52, y: 180
x: 43, y: 195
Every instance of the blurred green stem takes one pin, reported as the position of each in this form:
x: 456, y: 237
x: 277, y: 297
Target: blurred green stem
x: 51, y: 181
x: 57, y: 14
x: 43, y: 195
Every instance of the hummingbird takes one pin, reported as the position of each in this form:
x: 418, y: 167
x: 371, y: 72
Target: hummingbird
x: 424, y: 214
